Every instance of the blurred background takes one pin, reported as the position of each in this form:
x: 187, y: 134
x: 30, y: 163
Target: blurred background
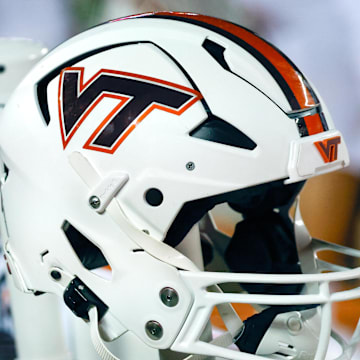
x: 321, y: 37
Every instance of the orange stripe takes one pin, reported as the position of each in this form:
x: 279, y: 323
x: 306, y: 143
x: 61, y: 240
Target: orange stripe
x: 293, y: 78
x: 313, y: 124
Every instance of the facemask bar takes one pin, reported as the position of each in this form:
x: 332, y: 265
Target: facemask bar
x: 316, y: 291
x: 205, y: 301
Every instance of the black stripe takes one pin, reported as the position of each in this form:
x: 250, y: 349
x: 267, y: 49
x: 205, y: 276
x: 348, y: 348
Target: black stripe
x: 323, y: 120
x: 260, y: 57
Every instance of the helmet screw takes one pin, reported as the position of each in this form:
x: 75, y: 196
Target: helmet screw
x: 169, y: 297
x: 154, y: 330
x: 94, y: 202
x: 56, y: 275
x: 190, y: 166
x: 294, y: 324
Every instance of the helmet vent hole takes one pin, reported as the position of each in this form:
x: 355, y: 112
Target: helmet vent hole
x: 88, y: 253
x: 2, y: 69
x: 154, y: 197
x: 138, y: 250
x: 217, y: 52
x: 43, y: 101
x: 217, y: 130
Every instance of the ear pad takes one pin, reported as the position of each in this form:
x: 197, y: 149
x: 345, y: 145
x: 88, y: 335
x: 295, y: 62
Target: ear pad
x: 265, y: 244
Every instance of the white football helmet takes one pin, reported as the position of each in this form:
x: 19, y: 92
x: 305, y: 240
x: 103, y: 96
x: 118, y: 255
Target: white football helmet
x: 114, y: 150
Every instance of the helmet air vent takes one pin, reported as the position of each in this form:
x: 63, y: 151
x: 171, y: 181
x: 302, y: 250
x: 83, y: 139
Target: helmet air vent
x: 217, y: 52
x: 88, y: 253
x: 219, y: 131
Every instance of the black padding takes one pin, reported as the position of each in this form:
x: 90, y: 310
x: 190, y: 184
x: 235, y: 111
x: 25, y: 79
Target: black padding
x: 189, y: 215
x: 88, y: 253
x: 255, y: 199
x: 264, y: 242
x: 256, y: 326
x: 265, y: 245
x: 219, y: 131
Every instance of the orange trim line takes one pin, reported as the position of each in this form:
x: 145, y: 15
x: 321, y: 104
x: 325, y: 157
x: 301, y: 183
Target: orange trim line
x: 313, y: 124
x: 123, y: 101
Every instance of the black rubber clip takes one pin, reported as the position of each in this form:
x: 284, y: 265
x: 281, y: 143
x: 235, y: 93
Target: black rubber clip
x: 79, y: 298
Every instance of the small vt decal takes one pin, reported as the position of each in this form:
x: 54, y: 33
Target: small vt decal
x: 328, y: 148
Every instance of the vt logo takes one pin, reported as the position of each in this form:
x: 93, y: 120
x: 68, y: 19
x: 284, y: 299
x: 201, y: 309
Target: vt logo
x: 328, y: 148
x: 136, y: 97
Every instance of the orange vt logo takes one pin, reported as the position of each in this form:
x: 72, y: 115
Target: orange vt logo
x: 328, y: 148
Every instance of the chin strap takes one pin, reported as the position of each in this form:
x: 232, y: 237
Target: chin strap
x: 96, y: 339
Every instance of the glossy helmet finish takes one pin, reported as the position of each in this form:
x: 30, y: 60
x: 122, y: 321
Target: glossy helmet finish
x: 118, y: 144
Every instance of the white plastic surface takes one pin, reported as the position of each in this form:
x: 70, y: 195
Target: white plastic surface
x: 108, y: 188
x: 305, y: 159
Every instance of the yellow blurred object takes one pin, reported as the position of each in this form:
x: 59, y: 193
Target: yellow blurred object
x: 328, y: 206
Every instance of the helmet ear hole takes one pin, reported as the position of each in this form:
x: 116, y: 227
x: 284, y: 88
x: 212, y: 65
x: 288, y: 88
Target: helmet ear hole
x: 89, y: 254
x: 154, y: 197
